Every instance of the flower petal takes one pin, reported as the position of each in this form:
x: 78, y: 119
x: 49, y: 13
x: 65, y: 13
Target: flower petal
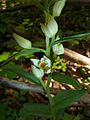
x: 48, y: 61
x: 35, y: 62
x: 39, y: 73
x: 47, y: 68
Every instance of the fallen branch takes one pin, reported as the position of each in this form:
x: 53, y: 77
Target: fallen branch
x: 20, y: 85
x: 24, y: 86
x: 76, y: 57
x: 32, y: 87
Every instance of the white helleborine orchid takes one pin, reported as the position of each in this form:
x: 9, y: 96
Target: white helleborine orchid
x: 41, y: 66
x: 57, y: 8
x: 50, y: 28
x: 58, y: 49
x: 24, y: 43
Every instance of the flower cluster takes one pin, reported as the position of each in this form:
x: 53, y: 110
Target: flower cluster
x: 50, y: 29
x: 41, y: 66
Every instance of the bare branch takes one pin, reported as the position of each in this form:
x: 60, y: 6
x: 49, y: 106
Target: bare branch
x: 74, y: 56
x: 20, y: 85
x: 25, y: 86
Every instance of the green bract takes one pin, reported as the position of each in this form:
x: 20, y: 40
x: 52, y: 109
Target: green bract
x: 58, y: 49
x: 24, y: 43
x: 57, y: 8
x: 50, y: 28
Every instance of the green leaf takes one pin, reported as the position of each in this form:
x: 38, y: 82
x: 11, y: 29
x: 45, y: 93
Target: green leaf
x: 66, y: 98
x: 27, y: 53
x: 19, y: 71
x: 61, y: 78
x: 69, y: 38
x: 2, y: 111
x: 30, y: 51
x: 4, y: 56
x: 33, y: 109
x: 70, y: 117
x: 77, y: 118
x: 59, y: 113
x: 67, y: 117
x: 7, y: 74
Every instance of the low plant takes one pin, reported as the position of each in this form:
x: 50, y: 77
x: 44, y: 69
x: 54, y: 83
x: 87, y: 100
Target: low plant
x: 50, y: 64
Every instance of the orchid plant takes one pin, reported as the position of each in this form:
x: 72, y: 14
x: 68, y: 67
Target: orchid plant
x: 45, y: 65
x: 50, y: 29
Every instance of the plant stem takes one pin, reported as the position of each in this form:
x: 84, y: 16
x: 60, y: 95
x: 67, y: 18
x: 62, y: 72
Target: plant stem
x: 47, y: 47
x: 46, y: 5
x: 49, y: 80
x: 53, y: 39
x: 43, y: 84
x: 47, y: 90
x: 51, y: 103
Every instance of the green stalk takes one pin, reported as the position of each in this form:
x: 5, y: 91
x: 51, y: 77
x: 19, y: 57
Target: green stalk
x: 51, y: 103
x: 49, y: 80
x: 43, y: 84
x: 53, y: 39
x: 47, y: 90
x: 47, y: 47
x: 46, y: 5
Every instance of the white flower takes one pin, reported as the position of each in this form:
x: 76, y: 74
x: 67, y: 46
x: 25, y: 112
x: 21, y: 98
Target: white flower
x: 58, y: 49
x: 45, y: 64
x: 41, y: 66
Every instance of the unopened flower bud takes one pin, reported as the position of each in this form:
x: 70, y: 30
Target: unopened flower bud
x: 57, y: 8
